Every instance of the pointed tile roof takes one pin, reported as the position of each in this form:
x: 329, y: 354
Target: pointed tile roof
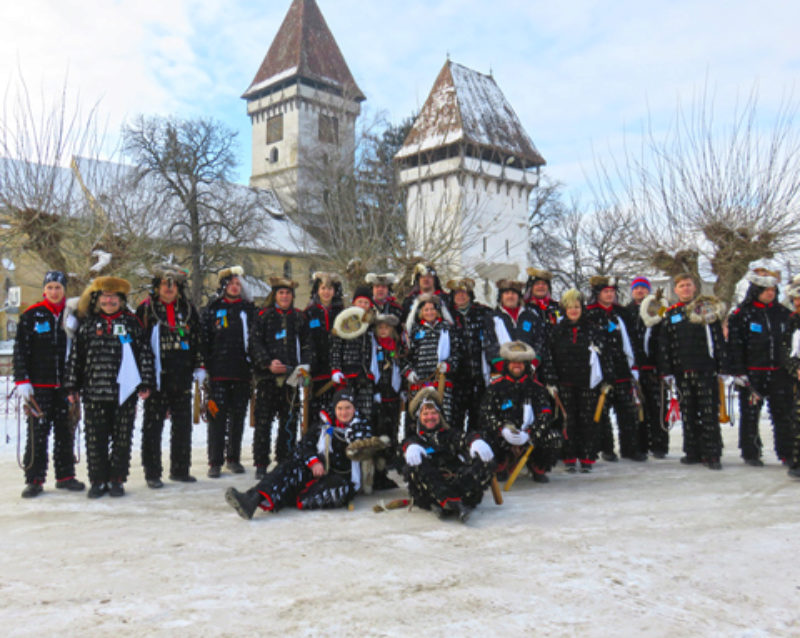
x: 467, y: 106
x: 304, y: 48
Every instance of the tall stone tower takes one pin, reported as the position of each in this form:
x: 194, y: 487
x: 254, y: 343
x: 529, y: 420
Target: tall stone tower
x: 469, y: 168
x: 303, y: 104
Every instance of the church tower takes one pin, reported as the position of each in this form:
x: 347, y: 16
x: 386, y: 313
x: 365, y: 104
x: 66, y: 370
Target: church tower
x: 468, y: 168
x: 303, y: 103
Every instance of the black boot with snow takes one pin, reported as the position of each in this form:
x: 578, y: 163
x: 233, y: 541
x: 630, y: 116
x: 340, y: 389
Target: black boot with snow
x: 245, y: 503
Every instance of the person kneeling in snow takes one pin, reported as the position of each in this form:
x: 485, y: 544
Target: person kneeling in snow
x: 320, y: 473
x: 447, y: 470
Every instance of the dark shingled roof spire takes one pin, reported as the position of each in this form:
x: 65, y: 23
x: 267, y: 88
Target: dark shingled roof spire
x: 304, y: 49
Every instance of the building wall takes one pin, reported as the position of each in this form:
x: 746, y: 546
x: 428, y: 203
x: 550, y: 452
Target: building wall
x: 482, y: 207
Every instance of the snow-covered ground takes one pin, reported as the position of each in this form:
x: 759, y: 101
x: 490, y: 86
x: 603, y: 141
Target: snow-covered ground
x: 654, y: 549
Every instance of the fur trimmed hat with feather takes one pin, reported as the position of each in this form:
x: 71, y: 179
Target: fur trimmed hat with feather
x: 764, y: 278
x: 793, y: 289
x: 383, y: 279
x: 600, y: 282
x: 100, y: 285
x: 464, y: 283
x: 426, y: 396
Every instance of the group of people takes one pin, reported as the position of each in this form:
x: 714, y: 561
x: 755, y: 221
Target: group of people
x: 484, y: 390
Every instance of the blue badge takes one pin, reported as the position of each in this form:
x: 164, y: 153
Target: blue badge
x: 429, y: 450
x: 42, y: 326
x: 756, y: 327
x: 508, y: 403
x: 184, y: 345
x: 676, y: 318
x: 221, y: 312
x: 612, y: 326
x: 314, y: 323
x: 380, y: 356
x: 526, y: 326
x: 420, y: 334
x: 126, y: 338
x: 280, y: 335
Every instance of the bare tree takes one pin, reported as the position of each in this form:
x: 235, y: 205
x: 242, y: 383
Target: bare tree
x: 43, y: 207
x: 189, y: 163
x: 730, y: 194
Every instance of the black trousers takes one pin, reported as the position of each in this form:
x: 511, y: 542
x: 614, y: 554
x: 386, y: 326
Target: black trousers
x: 293, y: 484
x: 109, y: 430
x: 699, y: 402
x: 774, y: 386
x: 620, y: 398
x: 654, y: 433
x: 467, y: 396
x: 429, y: 484
x: 579, y: 402
x: 178, y: 401
x: 273, y: 401
x: 226, y: 428
x: 54, y: 406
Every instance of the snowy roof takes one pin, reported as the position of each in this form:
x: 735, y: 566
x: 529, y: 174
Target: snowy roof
x: 467, y: 106
x: 304, y: 48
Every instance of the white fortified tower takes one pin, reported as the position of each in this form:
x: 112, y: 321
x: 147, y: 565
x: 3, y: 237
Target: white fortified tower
x: 303, y: 104
x: 469, y: 168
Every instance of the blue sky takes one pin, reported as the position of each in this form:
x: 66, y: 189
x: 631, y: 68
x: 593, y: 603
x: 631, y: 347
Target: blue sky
x: 581, y: 75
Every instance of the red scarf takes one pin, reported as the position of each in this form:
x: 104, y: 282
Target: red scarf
x: 170, y: 314
x: 387, y: 343
x: 514, y: 312
x: 55, y: 308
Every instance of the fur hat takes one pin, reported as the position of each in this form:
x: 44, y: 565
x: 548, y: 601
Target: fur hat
x: 54, y: 276
x: 653, y: 308
x: 571, y: 297
x: 422, y: 269
x: 465, y: 283
x: 351, y: 323
x: 535, y: 273
x: 388, y: 319
x: 764, y: 278
x: 426, y: 396
x: 226, y: 274
x: 169, y: 272
x: 599, y: 282
x: 98, y: 286
x: 384, y: 279
x: 705, y: 309
x: 276, y: 283
x: 517, y: 351
x: 320, y: 278
x: 793, y: 289
x: 509, y: 284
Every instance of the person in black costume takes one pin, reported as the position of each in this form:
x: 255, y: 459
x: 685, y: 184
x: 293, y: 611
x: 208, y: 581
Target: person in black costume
x: 319, y: 474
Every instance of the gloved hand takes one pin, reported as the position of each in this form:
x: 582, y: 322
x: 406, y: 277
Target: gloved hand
x: 515, y: 438
x: 412, y: 377
x: 376, y: 397
x: 669, y: 380
x: 199, y: 375
x: 338, y: 378
x: 635, y: 374
x: 552, y: 390
x: 414, y: 454
x: 25, y: 391
x: 741, y: 380
x: 442, y: 367
x: 480, y: 448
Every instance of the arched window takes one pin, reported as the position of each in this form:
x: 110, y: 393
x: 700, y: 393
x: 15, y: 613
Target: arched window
x: 273, y: 155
